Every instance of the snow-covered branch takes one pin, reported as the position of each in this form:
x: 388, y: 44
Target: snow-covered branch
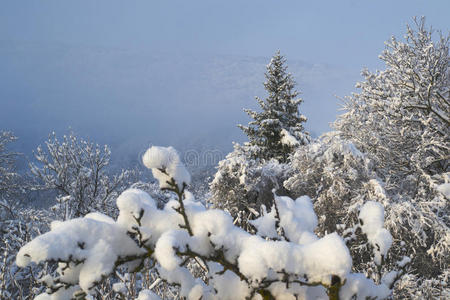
x: 77, y: 170
x: 237, y: 264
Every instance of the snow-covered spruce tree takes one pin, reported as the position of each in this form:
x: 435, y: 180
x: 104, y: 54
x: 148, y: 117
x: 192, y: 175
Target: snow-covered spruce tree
x: 246, y: 177
x: 400, y: 118
x: 284, y: 260
x: 278, y: 128
x: 78, y: 171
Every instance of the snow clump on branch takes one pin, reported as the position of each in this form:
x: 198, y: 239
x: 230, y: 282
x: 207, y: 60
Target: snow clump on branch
x: 166, y: 165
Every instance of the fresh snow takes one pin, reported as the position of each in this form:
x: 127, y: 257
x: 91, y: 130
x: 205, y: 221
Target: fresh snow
x: 372, y: 219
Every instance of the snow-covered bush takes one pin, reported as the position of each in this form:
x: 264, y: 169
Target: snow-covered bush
x: 285, y: 260
x: 337, y: 176
x: 11, y: 184
x: 340, y: 179
x: 77, y: 170
x: 21, y: 226
x: 422, y: 223
x: 242, y: 184
x: 18, y: 225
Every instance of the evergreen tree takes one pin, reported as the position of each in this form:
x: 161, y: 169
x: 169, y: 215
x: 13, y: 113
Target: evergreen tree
x: 278, y: 128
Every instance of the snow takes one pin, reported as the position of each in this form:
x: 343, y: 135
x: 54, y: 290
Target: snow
x: 378, y: 189
x: 256, y: 258
x: 147, y: 295
x: 159, y: 157
x: 297, y: 218
x: 372, y: 219
x: 324, y: 257
x: 134, y: 204
x: 230, y: 282
x: 361, y: 287
x: 389, y: 278
x: 196, y: 292
x: 166, y: 245
x: 61, y: 294
x: 288, y: 139
x: 444, y: 189
x: 265, y: 225
x: 165, y: 164
x: 119, y: 287
x: 93, y: 244
x: 99, y: 217
x: 318, y: 260
x: 405, y: 260
x: 344, y: 148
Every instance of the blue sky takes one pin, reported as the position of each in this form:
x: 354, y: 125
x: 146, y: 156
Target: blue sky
x: 338, y: 32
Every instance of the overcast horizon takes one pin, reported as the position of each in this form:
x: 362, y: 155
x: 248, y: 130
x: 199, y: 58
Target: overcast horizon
x: 160, y: 72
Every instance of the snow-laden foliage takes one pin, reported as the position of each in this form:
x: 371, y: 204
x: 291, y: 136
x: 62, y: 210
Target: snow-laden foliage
x: 278, y: 128
x: 18, y: 225
x: 340, y: 179
x: 77, y: 170
x: 400, y: 117
x: 242, y: 184
x: 11, y: 184
x: 337, y: 176
x: 285, y: 260
x: 164, y: 161
x: 19, y: 228
x: 422, y: 223
x: 152, y: 188
x: 371, y: 218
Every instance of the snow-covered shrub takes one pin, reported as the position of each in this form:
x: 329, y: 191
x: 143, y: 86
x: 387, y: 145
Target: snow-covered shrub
x: 78, y: 171
x: 19, y: 228
x: 242, y: 184
x: 340, y: 179
x: 285, y: 260
x: 336, y: 175
x: 11, y: 183
x: 18, y: 225
x: 415, y: 287
x: 422, y: 222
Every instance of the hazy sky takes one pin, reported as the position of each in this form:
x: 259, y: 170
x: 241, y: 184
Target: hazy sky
x: 134, y: 72
x: 337, y: 31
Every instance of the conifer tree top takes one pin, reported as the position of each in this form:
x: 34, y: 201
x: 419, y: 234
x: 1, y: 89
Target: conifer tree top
x: 275, y: 129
